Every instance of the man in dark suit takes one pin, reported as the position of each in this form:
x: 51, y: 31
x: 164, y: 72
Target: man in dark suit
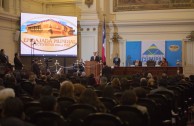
x: 95, y: 57
x: 106, y: 71
x: 18, y: 64
x: 3, y: 57
x: 36, y: 68
x: 116, y: 60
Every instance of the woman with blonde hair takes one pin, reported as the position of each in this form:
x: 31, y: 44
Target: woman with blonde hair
x: 67, y: 89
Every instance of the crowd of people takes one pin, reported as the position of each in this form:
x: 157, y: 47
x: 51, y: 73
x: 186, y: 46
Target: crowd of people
x: 19, y: 87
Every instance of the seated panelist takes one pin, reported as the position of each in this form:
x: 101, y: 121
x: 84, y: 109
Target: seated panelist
x: 137, y: 63
x: 164, y: 62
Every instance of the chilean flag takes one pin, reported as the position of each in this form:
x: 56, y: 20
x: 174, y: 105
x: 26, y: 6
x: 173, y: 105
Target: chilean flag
x: 104, y: 42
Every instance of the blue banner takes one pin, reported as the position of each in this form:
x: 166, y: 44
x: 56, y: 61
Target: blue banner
x: 173, y: 51
x: 133, y: 52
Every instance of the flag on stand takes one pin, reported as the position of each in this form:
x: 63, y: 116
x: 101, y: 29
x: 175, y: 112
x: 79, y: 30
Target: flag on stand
x: 104, y: 42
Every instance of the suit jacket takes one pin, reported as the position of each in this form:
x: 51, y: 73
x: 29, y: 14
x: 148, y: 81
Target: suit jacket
x: 36, y: 69
x: 18, y: 64
x: 97, y: 58
x: 116, y: 61
x: 3, y: 58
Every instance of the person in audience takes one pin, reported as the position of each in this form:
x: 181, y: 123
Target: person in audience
x: 17, y: 62
x: 13, y: 107
x: 106, y: 71
x: 90, y: 97
x: 143, y: 82
x: 48, y: 103
x: 78, y: 89
x: 6, y: 93
x: 108, y: 92
x: 140, y: 92
x: 37, y: 92
x: 10, y: 81
x: 95, y: 57
x: 116, y: 60
x: 116, y: 84
x: 103, y: 83
x: 92, y: 80
x: 3, y: 58
x: 46, y: 91
x: 163, y: 83
x: 67, y: 89
x: 164, y: 62
x: 130, y: 98
x: 36, y: 68
x: 125, y: 84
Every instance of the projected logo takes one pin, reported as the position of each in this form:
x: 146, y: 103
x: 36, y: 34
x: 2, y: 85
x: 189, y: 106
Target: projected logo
x: 152, y: 53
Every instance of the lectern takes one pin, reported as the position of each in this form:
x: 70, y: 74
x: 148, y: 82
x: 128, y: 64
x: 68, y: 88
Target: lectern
x: 92, y: 67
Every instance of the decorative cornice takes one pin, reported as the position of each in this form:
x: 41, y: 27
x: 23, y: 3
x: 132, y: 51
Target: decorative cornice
x: 8, y: 17
x: 153, y: 22
x: 89, y: 23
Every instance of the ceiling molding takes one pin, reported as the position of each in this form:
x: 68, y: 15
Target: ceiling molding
x: 8, y: 16
x: 153, y: 22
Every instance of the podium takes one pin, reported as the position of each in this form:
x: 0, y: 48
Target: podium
x: 92, y: 67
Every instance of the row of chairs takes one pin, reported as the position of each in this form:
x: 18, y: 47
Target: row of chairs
x: 86, y: 115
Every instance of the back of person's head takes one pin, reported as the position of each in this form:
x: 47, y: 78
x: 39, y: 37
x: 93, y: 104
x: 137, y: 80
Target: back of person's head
x: 149, y: 75
x: 89, y: 96
x: 115, y: 82
x: 128, y: 98
x: 46, y: 91
x: 6, y: 93
x: 162, y: 82
x: 48, y: 103
x: 164, y: 76
x: 37, y: 91
x: 67, y: 89
x: 108, y: 92
x: 16, y: 54
x: 78, y: 89
x: 140, y: 92
x: 143, y: 81
x: 103, y: 80
x: 9, y: 81
x: 151, y: 82
x: 125, y: 85
x: 13, y: 107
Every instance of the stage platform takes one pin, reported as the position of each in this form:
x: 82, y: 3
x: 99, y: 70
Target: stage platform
x: 156, y: 71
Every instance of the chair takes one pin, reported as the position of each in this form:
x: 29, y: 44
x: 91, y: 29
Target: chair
x: 163, y: 106
x: 152, y: 110
x: 64, y: 103
x: 78, y: 112
x: 30, y: 108
x: 151, y: 63
x: 102, y: 119
x: 118, y: 95
x: 26, y: 98
x: 98, y: 92
x: 131, y: 116
x: 48, y: 118
x: 108, y: 102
